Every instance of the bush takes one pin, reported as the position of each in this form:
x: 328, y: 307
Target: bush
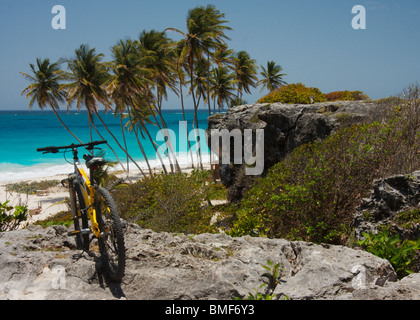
x: 346, y: 96
x: 294, y: 93
x: 11, y: 220
x: 171, y: 203
x: 401, y: 254
x: 313, y: 193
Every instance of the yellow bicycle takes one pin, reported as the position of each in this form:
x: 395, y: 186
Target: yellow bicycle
x: 89, y: 202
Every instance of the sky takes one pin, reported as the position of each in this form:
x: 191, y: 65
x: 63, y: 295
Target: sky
x: 313, y: 40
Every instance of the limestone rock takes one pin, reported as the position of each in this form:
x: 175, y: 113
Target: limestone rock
x: 285, y: 127
x: 41, y: 263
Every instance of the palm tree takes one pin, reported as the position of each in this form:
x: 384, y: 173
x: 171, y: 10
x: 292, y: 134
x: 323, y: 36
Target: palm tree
x: 126, y: 82
x: 272, y: 78
x: 205, y: 31
x: 157, y: 54
x: 223, y: 86
x: 88, y: 78
x: 45, y: 88
x: 245, y: 72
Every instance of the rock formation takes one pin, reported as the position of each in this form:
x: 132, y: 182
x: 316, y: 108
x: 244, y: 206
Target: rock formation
x: 285, y: 126
x: 391, y: 198
x: 41, y: 263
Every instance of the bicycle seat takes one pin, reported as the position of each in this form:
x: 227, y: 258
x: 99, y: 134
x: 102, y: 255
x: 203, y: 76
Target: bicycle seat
x: 92, y: 161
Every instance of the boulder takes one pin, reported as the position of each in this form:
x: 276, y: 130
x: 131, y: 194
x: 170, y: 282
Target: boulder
x: 39, y: 263
x: 285, y: 126
x: 394, y: 202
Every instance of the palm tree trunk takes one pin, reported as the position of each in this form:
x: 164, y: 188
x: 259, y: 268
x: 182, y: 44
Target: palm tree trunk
x: 185, y: 121
x: 143, y: 125
x: 140, y: 146
x: 99, y: 134
x: 125, y: 142
x: 195, y: 114
x: 65, y: 127
x: 116, y: 140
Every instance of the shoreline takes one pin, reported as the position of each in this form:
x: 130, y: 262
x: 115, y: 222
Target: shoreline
x: 43, y: 205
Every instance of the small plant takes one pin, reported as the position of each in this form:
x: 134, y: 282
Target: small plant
x: 273, y: 277
x: 11, y: 220
x: 401, y: 254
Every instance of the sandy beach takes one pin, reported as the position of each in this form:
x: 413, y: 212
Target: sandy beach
x: 46, y: 203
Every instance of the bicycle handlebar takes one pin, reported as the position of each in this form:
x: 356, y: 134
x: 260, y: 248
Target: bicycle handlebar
x: 88, y: 146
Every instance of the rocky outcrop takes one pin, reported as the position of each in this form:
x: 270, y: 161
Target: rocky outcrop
x: 285, y: 127
x: 41, y: 263
x: 394, y: 202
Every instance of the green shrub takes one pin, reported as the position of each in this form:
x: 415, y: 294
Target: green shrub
x: 346, y: 96
x: 313, y: 193
x: 401, y: 254
x: 172, y: 203
x: 294, y: 93
x: 12, y: 217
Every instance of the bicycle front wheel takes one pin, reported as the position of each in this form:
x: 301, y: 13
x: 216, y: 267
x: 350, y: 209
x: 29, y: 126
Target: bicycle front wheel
x: 111, y: 240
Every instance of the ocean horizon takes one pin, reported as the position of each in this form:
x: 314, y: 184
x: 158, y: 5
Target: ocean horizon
x: 23, y: 131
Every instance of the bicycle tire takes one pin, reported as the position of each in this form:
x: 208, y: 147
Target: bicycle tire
x: 111, y: 240
x: 82, y: 240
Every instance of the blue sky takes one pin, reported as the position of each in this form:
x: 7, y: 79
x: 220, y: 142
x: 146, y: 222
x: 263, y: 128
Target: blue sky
x: 312, y: 40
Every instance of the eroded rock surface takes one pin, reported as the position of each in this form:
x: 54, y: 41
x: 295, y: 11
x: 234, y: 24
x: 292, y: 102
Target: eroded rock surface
x: 41, y: 263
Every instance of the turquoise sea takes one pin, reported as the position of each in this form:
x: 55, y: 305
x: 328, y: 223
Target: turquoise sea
x: 22, y: 132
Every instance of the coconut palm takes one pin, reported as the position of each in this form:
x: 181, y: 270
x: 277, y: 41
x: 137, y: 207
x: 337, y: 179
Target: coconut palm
x: 157, y: 53
x: 45, y: 88
x: 272, y: 78
x: 205, y: 31
x: 223, y: 86
x: 245, y: 72
x: 126, y: 82
x: 88, y: 77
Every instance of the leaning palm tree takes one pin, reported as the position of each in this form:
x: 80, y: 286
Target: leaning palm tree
x: 45, y: 88
x: 272, y: 78
x: 88, y: 77
x: 245, y: 72
x: 127, y: 81
x: 157, y: 54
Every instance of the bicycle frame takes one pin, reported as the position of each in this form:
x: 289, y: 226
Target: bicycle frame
x: 88, y: 191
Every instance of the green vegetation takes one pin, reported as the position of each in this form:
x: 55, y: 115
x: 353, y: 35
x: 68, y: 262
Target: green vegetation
x: 12, y: 217
x: 346, y: 96
x: 172, y: 203
x: 313, y: 193
x: 401, y: 254
x: 62, y: 218
x: 31, y: 187
x: 294, y: 93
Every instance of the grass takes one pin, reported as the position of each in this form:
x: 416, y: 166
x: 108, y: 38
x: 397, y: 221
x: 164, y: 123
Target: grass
x: 26, y: 187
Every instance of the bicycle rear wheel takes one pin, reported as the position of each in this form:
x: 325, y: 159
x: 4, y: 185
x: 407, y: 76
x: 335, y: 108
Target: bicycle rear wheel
x: 111, y: 240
